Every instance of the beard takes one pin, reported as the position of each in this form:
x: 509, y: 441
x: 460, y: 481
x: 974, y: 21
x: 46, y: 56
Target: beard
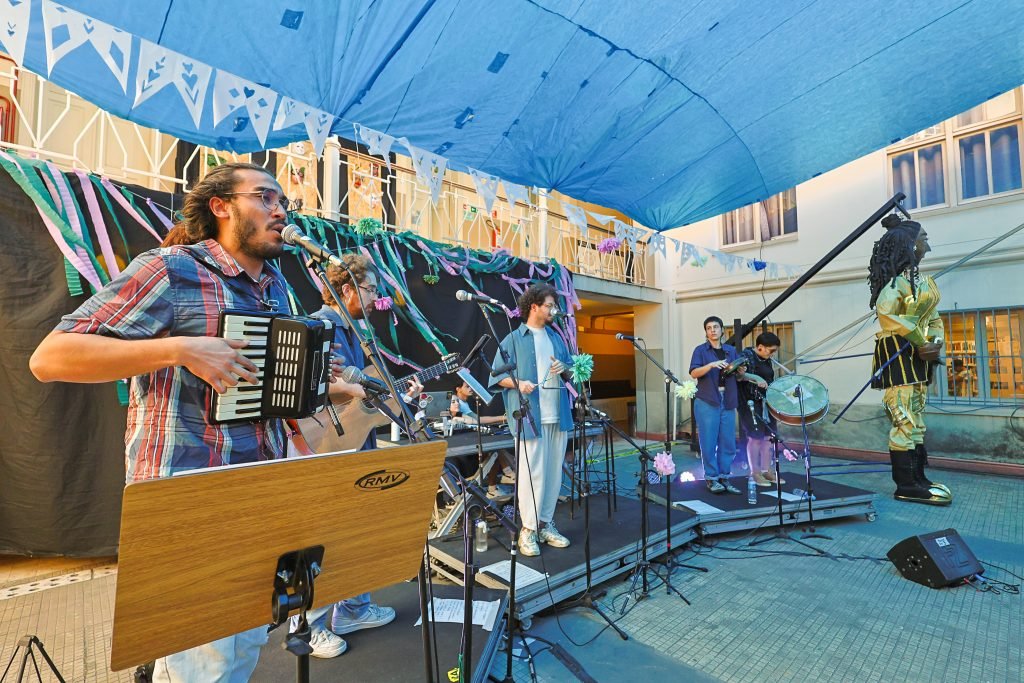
x: 246, y: 231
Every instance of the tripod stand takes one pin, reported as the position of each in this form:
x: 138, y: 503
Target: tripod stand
x: 811, y: 533
x: 588, y: 598
x: 643, y: 564
x: 780, y: 532
x: 30, y: 642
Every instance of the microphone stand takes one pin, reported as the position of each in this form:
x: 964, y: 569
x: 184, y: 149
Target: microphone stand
x: 588, y: 599
x: 522, y: 413
x: 780, y: 532
x: 470, y: 569
x: 368, y: 343
x: 670, y: 379
x: 807, y: 469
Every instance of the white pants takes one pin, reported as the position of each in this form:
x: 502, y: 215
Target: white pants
x: 228, y: 660
x: 542, y: 458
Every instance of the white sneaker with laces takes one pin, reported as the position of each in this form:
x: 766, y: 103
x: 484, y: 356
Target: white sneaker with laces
x: 375, y: 616
x: 325, y: 644
x: 528, y: 545
x: 549, y: 534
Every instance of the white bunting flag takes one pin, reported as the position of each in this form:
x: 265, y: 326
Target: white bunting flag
x: 486, y: 186
x: 516, y: 193
x: 14, y: 19
x: 429, y: 169
x: 377, y: 144
x: 231, y: 92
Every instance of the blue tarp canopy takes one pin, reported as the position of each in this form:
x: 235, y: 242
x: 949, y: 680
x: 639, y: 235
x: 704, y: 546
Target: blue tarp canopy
x: 667, y: 110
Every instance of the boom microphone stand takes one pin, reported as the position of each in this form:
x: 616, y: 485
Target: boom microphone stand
x: 588, y: 599
x: 780, y: 532
x: 315, y: 262
x: 670, y: 379
x: 509, y: 365
x: 811, y: 533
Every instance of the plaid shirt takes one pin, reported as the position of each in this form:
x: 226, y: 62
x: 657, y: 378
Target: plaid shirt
x: 180, y: 291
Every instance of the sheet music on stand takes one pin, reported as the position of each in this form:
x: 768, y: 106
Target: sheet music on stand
x: 525, y: 575
x: 450, y: 611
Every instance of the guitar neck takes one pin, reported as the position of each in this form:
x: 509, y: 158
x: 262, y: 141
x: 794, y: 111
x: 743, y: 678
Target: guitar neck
x: 424, y: 376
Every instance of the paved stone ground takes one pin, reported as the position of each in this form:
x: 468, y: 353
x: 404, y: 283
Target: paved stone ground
x: 793, y: 616
x: 774, y: 613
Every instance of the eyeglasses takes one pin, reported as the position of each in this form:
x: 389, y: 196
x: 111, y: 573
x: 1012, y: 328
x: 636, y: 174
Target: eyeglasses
x: 271, y: 199
x: 371, y: 290
x: 552, y: 306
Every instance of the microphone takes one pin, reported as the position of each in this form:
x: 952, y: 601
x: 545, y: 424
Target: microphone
x: 753, y: 414
x: 463, y: 295
x: 293, y: 235
x: 354, y: 375
x: 625, y: 337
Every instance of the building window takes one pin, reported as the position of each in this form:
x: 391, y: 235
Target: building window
x: 990, y: 161
x: 920, y: 174
x: 761, y: 221
x: 787, y: 342
x: 984, y: 364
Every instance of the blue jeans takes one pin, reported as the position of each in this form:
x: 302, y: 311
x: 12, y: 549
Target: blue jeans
x: 716, y: 431
x: 228, y: 660
x: 345, y: 610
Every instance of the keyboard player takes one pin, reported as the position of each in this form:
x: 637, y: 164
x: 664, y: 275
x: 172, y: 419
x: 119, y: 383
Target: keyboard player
x: 157, y: 323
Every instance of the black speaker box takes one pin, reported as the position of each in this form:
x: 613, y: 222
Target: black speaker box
x: 936, y: 559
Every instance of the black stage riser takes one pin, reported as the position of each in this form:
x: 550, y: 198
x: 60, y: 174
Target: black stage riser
x: 614, y: 549
x: 831, y: 501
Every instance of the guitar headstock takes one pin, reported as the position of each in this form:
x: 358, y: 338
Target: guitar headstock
x: 451, y: 362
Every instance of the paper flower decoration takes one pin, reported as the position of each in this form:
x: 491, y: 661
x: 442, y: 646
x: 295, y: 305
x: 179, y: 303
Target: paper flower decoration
x: 367, y: 227
x: 384, y: 303
x: 686, y: 390
x: 609, y: 244
x: 790, y: 455
x: 664, y: 465
x: 582, y: 367
x: 431, y: 279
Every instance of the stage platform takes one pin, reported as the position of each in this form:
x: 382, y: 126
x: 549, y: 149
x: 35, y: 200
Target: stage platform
x: 722, y: 513
x: 393, y: 653
x: 614, y: 549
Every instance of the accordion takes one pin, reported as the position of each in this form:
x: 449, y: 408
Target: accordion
x: 292, y: 356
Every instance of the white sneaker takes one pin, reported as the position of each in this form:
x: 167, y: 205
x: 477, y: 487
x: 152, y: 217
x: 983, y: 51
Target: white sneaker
x: 375, y: 616
x: 325, y: 644
x: 528, y: 545
x: 549, y: 534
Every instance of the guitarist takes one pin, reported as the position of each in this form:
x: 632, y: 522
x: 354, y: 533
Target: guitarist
x: 358, y: 296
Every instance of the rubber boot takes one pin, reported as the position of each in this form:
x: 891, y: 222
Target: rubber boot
x: 907, y: 488
x: 920, y: 460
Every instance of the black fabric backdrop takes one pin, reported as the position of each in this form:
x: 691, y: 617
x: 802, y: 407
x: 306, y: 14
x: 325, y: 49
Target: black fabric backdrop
x: 62, y: 451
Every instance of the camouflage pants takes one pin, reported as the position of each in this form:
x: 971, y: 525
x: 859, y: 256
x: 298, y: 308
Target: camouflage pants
x: 905, y: 406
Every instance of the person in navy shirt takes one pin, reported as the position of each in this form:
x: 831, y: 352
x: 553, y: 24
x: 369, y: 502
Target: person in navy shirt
x: 714, y: 407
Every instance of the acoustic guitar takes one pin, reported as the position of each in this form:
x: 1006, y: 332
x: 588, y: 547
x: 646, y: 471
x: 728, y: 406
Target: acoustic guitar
x: 358, y: 416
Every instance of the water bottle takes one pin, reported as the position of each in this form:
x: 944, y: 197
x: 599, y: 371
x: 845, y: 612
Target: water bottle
x: 751, y: 491
x: 480, y: 536
x: 803, y: 494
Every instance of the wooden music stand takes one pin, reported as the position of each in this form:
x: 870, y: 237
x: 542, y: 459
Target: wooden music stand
x: 199, y: 552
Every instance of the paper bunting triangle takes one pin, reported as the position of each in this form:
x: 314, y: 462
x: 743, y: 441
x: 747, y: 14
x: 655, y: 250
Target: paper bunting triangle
x: 14, y: 19
x: 486, y: 186
x: 378, y: 144
x: 231, y: 92
x: 429, y: 168
x: 516, y: 193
